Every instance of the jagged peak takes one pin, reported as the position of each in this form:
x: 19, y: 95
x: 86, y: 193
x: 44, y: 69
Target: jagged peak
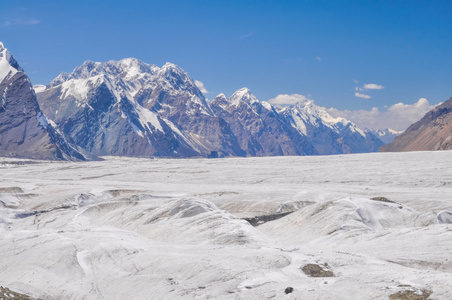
x: 178, y: 78
x: 127, y: 67
x: 134, y: 63
x: 314, y: 114
x: 220, y: 100
x: 170, y: 68
x: 170, y: 65
x: 243, y: 95
x: 221, y: 96
x: 8, y: 65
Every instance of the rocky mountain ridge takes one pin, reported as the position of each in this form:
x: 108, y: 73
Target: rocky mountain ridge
x: 327, y: 134
x: 131, y: 108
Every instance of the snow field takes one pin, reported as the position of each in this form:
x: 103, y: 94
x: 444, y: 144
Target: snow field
x: 173, y: 229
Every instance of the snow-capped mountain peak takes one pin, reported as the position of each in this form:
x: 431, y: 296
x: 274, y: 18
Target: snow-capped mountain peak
x: 220, y: 100
x: 176, y: 77
x: 328, y: 134
x: 243, y: 95
x: 8, y: 65
x: 314, y: 114
x: 128, y: 68
x: 221, y: 96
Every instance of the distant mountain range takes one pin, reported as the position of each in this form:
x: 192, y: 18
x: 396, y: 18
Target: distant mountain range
x: 385, y: 135
x: 130, y: 108
x: 432, y: 132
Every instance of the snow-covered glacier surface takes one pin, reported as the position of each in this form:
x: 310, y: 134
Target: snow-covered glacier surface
x: 364, y: 226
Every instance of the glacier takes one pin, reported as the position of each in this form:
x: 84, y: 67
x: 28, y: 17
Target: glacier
x: 359, y: 226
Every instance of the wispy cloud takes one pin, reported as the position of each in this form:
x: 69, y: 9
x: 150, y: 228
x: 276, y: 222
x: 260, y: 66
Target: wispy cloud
x: 366, y: 87
x: 373, y: 86
x: 201, y: 87
x: 318, y: 58
x: 21, y: 22
x: 364, y: 96
x: 398, y: 116
x: 245, y: 36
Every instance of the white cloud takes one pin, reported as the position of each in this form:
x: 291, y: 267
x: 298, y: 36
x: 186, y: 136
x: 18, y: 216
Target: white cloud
x: 201, y: 87
x: 359, y: 89
x: 318, y: 58
x: 355, y: 81
x: 398, y: 116
x: 373, y: 86
x: 364, y: 96
x: 288, y: 100
x: 25, y: 22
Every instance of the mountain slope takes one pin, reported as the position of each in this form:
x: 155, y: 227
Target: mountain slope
x: 131, y: 108
x: 24, y: 130
x: 329, y: 135
x: 432, y: 132
x: 259, y: 128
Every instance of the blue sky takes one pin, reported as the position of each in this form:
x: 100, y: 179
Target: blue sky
x: 324, y: 50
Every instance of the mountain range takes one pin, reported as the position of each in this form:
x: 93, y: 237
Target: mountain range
x: 385, y: 135
x: 131, y: 108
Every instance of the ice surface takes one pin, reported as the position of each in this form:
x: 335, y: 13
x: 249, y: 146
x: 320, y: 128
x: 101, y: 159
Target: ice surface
x: 129, y: 228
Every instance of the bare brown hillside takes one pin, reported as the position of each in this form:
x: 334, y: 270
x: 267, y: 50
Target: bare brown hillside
x: 432, y: 132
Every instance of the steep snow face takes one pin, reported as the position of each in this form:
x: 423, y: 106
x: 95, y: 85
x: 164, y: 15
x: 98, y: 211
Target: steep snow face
x: 80, y: 87
x: 8, y: 65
